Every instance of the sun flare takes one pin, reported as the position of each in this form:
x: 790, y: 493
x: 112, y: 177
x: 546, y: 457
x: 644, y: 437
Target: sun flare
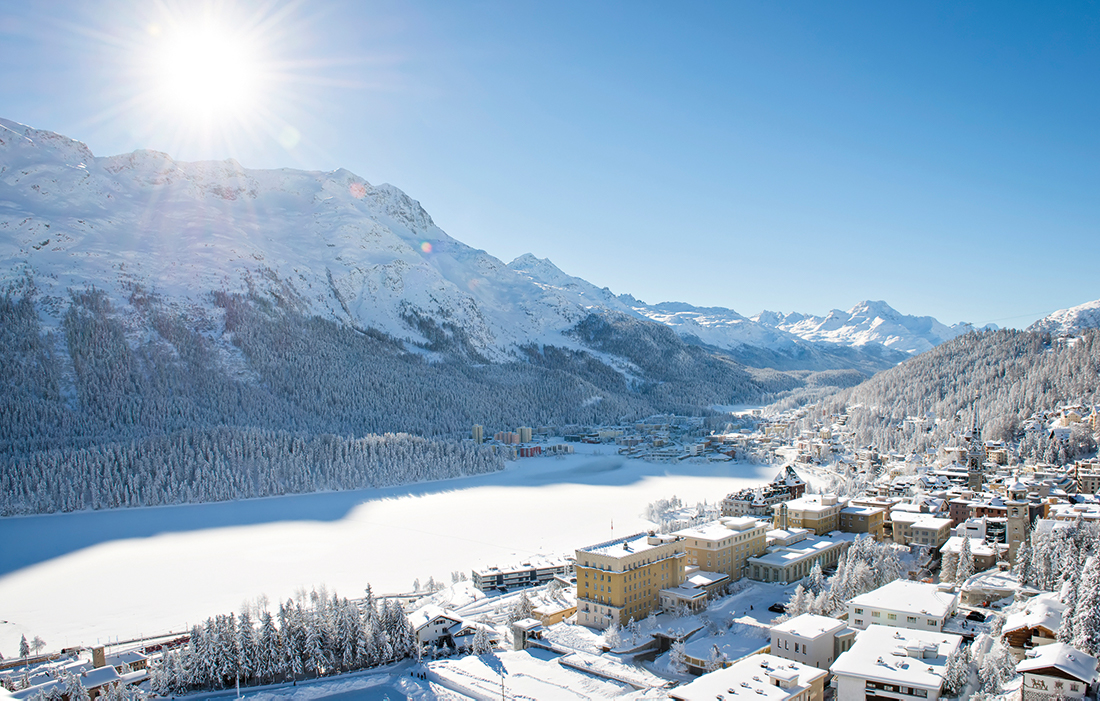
x: 207, y: 73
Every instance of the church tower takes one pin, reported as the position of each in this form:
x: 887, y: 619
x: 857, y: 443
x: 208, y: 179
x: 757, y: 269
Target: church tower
x: 975, y: 455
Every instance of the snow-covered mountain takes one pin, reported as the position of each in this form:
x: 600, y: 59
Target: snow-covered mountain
x: 867, y: 323
x: 1066, y: 322
x: 333, y: 245
x: 339, y: 247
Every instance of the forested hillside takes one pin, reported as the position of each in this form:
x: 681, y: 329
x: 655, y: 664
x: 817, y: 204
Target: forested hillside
x: 154, y: 407
x: 1005, y: 375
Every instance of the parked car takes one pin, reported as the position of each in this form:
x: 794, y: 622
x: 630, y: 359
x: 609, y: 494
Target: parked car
x: 777, y: 608
x: 976, y: 616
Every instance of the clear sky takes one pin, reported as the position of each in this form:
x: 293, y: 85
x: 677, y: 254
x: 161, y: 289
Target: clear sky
x: 792, y: 156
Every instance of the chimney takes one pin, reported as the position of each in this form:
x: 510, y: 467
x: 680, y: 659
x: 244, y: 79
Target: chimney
x: 99, y: 659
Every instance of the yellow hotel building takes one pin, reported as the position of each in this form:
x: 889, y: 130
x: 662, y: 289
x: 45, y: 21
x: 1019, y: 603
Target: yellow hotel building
x: 622, y: 579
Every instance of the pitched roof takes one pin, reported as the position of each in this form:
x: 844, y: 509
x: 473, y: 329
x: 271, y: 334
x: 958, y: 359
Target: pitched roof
x: 1064, y: 658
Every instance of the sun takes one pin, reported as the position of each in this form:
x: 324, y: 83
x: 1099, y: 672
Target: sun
x: 207, y: 73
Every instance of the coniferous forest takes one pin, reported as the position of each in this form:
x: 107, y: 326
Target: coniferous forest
x: 160, y: 405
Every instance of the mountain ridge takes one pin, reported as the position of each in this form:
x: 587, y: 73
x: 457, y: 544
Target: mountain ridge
x: 1065, y: 322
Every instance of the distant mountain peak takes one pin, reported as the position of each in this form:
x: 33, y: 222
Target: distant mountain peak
x: 1065, y: 322
x: 869, y: 321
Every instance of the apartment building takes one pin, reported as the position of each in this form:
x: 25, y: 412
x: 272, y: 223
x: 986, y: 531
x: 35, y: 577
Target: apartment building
x: 527, y: 574
x: 622, y: 578
x: 903, y: 604
x: 811, y: 639
x: 765, y: 677
x: 724, y: 545
x: 864, y: 519
x: 920, y: 529
x: 887, y: 663
x: 819, y: 513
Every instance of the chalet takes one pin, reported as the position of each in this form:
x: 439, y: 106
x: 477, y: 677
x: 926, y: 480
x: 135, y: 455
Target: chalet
x: 1036, y: 624
x: 1057, y: 671
x: 433, y: 625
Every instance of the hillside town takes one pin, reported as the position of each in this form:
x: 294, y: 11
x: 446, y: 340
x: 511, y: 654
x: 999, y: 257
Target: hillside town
x: 960, y: 573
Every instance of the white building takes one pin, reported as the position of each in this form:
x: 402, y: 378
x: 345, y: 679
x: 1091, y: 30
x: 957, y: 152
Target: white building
x: 760, y: 677
x: 892, y: 663
x: 433, y: 625
x: 1057, y: 671
x: 530, y: 573
x: 811, y: 639
x: 903, y: 604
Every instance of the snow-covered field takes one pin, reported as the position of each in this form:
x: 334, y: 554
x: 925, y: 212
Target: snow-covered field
x: 93, y: 576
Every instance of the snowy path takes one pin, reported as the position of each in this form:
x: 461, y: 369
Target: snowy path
x: 86, y: 577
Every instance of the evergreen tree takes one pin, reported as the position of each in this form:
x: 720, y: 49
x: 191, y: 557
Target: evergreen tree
x: 949, y: 565
x: 956, y: 672
x: 1086, y: 619
x: 677, y: 657
x: 482, y: 644
x: 966, y: 562
x: 521, y: 609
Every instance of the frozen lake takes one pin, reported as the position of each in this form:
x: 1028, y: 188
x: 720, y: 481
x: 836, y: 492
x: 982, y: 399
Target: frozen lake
x: 93, y: 576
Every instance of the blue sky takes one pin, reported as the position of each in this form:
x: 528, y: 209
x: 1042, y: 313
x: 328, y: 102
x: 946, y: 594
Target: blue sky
x: 786, y: 156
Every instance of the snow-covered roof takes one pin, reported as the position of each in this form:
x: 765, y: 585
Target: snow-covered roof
x: 526, y: 565
x: 622, y: 547
x: 809, y: 625
x: 33, y: 690
x: 863, y: 510
x: 125, y: 657
x: 713, y: 531
x: 1064, y: 658
x: 808, y: 547
x: 992, y: 580
x: 702, y: 578
x: 1043, y: 610
x: 913, y: 658
x: 426, y: 615
x: 815, y: 503
x: 752, y: 678
x: 683, y: 593
x: 99, y: 676
x: 910, y: 597
x: 978, y: 547
x: 742, y: 523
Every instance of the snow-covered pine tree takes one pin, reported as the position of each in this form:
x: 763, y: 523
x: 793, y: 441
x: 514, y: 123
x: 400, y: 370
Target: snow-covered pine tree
x: 956, y: 672
x: 247, y: 647
x: 521, y: 609
x: 1086, y: 619
x: 966, y: 562
x: 677, y: 657
x: 24, y: 647
x: 797, y: 604
x: 612, y: 635
x: 482, y: 643
x: 815, y: 581
x: 949, y: 566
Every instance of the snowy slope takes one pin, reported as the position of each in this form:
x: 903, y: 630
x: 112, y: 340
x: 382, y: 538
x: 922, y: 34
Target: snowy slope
x: 867, y: 322
x: 1069, y: 321
x: 331, y: 243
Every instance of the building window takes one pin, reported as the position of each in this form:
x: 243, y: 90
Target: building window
x: 859, y: 610
x: 891, y: 617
